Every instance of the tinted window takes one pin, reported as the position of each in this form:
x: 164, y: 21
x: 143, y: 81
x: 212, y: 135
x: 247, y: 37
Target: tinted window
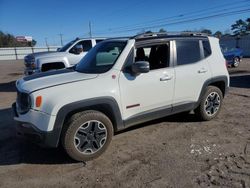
x: 206, y: 48
x: 99, y: 40
x: 101, y: 58
x: 156, y: 55
x: 188, y: 51
x: 87, y: 45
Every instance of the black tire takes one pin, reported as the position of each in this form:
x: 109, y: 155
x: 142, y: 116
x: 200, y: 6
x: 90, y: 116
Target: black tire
x: 82, y: 132
x: 207, y: 108
x: 236, y: 62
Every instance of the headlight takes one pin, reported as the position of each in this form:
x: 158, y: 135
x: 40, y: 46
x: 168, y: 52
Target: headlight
x: 29, y: 59
x: 33, y: 65
x: 23, y: 102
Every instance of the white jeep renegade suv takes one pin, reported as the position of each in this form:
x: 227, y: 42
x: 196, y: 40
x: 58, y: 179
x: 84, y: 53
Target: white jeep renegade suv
x: 121, y: 82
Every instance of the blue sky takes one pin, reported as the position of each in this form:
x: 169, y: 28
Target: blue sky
x: 48, y: 18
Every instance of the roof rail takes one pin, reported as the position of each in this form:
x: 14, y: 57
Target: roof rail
x: 159, y: 34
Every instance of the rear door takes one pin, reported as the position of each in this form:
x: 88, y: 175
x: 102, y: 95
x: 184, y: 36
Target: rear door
x: 191, y: 70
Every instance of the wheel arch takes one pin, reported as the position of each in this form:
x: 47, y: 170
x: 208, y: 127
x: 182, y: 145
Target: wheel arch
x: 221, y: 82
x: 106, y: 105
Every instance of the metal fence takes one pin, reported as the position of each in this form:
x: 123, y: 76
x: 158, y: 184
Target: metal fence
x: 242, y: 42
x: 20, y: 52
x: 16, y: 53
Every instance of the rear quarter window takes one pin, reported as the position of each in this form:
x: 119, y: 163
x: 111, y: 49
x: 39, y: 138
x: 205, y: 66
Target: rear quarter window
x: 188, y: 51
x: 206, y: 48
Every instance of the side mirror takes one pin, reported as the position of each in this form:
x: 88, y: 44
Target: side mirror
x: 140, y: 67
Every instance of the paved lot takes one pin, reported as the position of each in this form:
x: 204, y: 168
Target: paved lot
x: 176, y: 151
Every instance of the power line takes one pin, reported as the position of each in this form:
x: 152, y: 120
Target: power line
x: 195, y: 19
x: 182, y: 16
x: 174, y: 18
x: 185, y: 20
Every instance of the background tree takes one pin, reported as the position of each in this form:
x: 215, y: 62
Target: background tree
x: 207, y: 31
x: 8, y: 40
x: 248, y: 25
x: 162, y: 30
x: 218, y: 34
x: 239, y: 28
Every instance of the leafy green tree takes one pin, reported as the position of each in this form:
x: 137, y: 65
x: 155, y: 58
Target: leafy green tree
x: 162, y: 30
x: 8, y: 40
x: 239, y: 28
x: 218, y: 34
x: 207, y: 31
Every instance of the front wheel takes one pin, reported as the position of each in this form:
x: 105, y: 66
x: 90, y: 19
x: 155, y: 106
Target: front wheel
x: 87, y: 135
x: 210, y: 103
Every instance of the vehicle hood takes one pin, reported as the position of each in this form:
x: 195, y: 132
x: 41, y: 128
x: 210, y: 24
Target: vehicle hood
x: 44, y: 80
x: 46, y: 54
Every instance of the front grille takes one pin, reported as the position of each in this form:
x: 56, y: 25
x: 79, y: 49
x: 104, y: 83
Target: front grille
x: 28, y: 60
x: 27, y: 65
x: 23, y: 102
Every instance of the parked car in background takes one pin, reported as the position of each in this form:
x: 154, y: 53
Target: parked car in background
x: 64, y: 57
x: 233, y: 56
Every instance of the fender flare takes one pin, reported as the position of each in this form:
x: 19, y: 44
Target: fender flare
x: 210, y: 82
x: 111, y: 108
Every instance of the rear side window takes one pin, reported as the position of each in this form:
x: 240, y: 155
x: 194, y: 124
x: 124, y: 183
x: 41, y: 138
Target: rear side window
x: 206, y: 48
x: 98, y: 40
x: 188, y: 51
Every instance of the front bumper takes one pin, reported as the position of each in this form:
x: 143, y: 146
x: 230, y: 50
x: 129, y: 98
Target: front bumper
x: 30, y: 132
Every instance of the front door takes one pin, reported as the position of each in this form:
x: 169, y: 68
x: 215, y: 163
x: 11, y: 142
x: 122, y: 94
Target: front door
x: 148, y: 91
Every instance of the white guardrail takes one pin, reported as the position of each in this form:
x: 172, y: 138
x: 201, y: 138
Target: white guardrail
x: 16, y: 53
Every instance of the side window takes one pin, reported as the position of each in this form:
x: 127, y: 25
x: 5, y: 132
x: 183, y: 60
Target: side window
x: 206, y: 48
x: 86, y: 44
x: 98, y: 40
x: 156, y: 55
x: 188, y: 51
x: 82, y: 46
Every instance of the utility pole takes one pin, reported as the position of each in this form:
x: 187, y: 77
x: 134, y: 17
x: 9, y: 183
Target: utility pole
x: 61, y: 38
x: 46, y: 42
x: 90, y: 30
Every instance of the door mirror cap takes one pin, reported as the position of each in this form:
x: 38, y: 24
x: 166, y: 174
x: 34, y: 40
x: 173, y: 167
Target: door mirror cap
x: 140, y: 67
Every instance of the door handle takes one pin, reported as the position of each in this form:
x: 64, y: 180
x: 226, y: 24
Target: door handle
x: 203, y: 70
x: 165, y: 78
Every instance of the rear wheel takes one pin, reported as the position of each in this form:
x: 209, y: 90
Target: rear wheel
x: 210, y: 104
x: 87, y: 135
x: 236, y: 62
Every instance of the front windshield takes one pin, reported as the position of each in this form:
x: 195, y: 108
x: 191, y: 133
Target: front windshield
x: 101, y: 58
x: 66, y: 46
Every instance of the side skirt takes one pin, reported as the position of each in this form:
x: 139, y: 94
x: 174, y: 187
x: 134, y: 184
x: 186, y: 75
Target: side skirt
x: 158, y: 113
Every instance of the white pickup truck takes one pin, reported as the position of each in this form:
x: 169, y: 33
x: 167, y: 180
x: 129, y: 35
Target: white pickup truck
x: 67, y: 56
